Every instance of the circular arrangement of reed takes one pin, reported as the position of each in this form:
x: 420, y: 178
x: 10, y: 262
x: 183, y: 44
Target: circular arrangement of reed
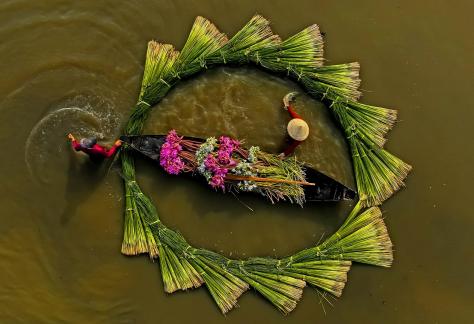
x: 363, y: 236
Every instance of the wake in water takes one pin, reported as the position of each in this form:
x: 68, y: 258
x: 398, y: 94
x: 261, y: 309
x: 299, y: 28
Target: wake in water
x: 46, y: 144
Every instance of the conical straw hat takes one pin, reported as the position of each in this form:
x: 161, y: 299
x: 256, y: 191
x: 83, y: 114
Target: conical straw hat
x: 298, y: 129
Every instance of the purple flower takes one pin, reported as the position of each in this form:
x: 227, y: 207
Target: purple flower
x: 226, y: 147
x: 228, y: 143
x: 223, y: 156
x: 217, y: 182
x: 173, y: 137
x: 221, y: 172
x: 169, y: 154
x: 225, y: 140
x: 211, y: 163
x: 215, y: 165
x: 217, y: 170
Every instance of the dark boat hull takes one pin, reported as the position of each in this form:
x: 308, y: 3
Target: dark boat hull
x: 326, y: 188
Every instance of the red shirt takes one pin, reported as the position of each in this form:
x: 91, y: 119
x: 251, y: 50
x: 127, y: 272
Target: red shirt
x: 293, y: 114
x: 291, y: 148
x: 96, y: 150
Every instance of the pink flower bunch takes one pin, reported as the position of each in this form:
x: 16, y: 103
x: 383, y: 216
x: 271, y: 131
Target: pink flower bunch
x: 217, y: 164
x: 226, y: 146
x: 169, y: 154
x: 217, y: 171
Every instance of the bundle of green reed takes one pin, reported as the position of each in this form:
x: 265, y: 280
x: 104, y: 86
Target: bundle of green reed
x: 139, y: 214
x: 363, y: 236
x: 203, y: 40
x: 300, y: 52
x: 255, y: 36
x: 368, y: 123
x: 333, y: 81
x: 379, y: 174
x: 160, y: 60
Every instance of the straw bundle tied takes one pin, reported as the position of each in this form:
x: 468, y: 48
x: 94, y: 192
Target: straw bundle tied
x: 203, y: 40
x: 244, y: 47
x: 301, y: 52
x: 159, y: 63
x: 333, y: 81
x: 362, y: 238
x: 139, y: 214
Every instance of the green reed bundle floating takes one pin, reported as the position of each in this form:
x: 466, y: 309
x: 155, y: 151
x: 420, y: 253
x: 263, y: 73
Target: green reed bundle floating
x: 303, y: 51
x: 362, y: 238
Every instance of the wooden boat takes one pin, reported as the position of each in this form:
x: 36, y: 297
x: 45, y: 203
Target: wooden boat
x: 325, y: 188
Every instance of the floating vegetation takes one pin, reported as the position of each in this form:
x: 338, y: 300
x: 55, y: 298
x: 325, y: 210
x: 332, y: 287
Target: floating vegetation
x: 228, y: 166
x: 362, y: 238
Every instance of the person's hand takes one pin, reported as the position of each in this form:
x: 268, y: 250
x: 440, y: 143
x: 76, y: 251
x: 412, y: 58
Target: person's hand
x: 71, y: 137
x: 118, y: 143
x: 288, y: 98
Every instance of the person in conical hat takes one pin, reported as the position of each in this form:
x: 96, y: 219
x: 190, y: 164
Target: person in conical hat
x: 297, y: 128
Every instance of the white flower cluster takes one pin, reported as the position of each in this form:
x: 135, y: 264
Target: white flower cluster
x: 245, y: 169
x: 253, y: 151
x: 204, y: 150
x: 246, y: 186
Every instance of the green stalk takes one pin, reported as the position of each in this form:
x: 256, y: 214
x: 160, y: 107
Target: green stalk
x: 224, y: 291
x: 203, y: 40
x: 300, y: 52
x: 242, y: 48
x: 282, y: 302
x: 160, y: 59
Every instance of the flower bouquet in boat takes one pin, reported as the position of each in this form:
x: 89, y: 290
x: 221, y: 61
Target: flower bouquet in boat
x: 227, y: 165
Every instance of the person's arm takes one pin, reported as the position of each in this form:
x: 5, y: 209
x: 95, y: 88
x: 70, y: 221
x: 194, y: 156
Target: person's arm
x: 106, y: 153
x: 113, y: 149
x: 293, y: 113
x: 76, y: 145
x: 291, y: 148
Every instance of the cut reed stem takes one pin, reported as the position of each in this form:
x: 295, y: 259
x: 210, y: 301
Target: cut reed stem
x: 258, y: 179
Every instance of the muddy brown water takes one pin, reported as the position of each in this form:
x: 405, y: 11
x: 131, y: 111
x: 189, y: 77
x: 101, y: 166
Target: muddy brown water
x: 76, y: 66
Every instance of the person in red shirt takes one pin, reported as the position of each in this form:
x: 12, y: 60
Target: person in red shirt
x: 297, y: 128
x: 95, y: 151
